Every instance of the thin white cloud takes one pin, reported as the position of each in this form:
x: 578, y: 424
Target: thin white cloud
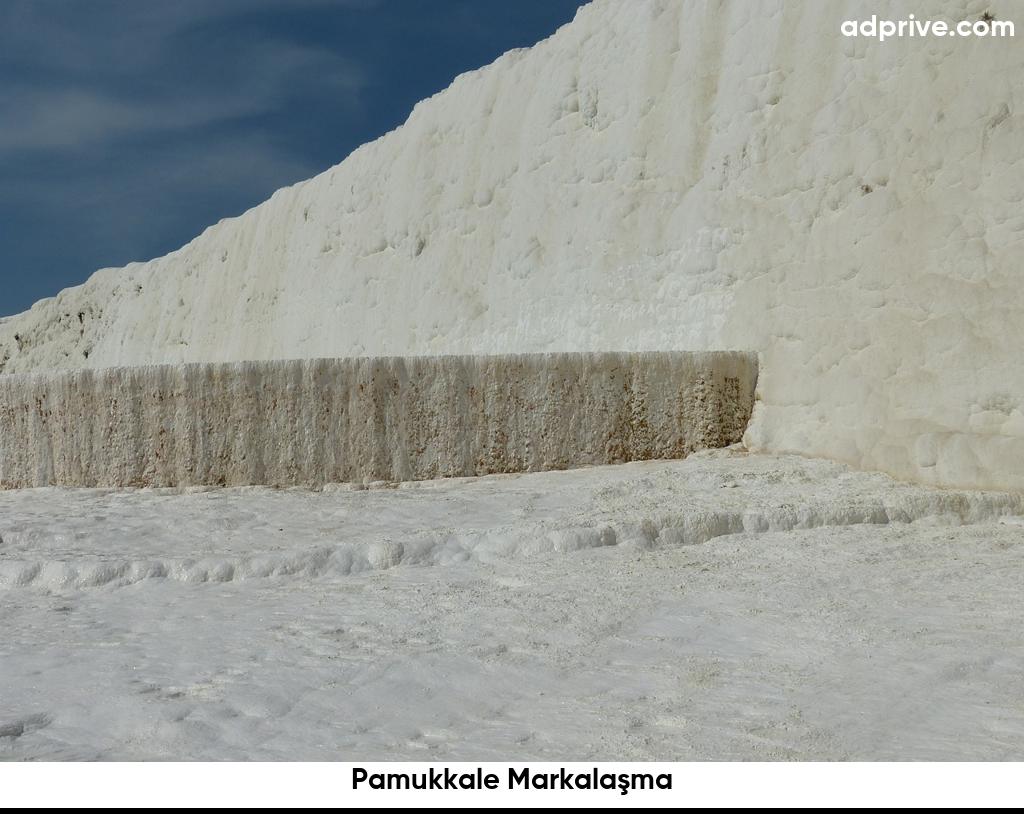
x: 129, y: 210
x: 47, y: 118
x: 53, y: 119
x: 75, y: 80
x: 112, y: 36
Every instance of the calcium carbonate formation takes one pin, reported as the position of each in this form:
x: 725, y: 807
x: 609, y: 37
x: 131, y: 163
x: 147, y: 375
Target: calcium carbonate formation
x: 342, y: 420
x: 659, y: 174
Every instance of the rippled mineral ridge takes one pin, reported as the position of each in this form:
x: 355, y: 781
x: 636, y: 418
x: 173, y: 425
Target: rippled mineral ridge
x: 656, y: 175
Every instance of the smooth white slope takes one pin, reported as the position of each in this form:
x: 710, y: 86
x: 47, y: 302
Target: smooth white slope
x: 657, y: 175
x: 723, y: 607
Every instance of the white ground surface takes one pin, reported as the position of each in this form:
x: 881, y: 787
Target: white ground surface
x: 730, y: 606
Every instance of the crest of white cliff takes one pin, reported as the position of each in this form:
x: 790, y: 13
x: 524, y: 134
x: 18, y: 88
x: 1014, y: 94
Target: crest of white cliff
x: 659, y: 174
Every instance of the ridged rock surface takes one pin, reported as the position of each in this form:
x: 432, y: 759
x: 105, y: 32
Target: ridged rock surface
x: 320, y: 421
x: 659, y: 174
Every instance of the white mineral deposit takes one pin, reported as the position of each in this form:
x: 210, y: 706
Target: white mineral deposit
x: 752, y: 287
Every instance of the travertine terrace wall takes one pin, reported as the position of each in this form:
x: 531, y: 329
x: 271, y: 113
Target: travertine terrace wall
x: 659, y: 174
x: 312, y: 422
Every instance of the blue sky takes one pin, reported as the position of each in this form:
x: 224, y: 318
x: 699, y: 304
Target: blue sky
x: 128, y: 126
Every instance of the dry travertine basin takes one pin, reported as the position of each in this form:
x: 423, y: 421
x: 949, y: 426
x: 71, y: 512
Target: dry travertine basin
x: 728, y: 607
x: 310, y: 422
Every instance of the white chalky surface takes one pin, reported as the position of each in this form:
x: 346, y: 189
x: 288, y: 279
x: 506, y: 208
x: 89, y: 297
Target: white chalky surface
x: 657, y: 175
x: 729, y: 606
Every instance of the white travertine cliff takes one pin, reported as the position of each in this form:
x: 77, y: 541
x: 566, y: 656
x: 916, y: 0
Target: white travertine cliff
x: 659, y: 174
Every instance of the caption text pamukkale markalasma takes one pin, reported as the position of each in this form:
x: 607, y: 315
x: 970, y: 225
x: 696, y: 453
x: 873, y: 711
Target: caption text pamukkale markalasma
x: 521, y: 779
x: 912, y: 27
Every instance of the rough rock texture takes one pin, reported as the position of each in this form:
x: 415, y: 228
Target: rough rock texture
x: 660, y: 174
x: 319, y: 421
